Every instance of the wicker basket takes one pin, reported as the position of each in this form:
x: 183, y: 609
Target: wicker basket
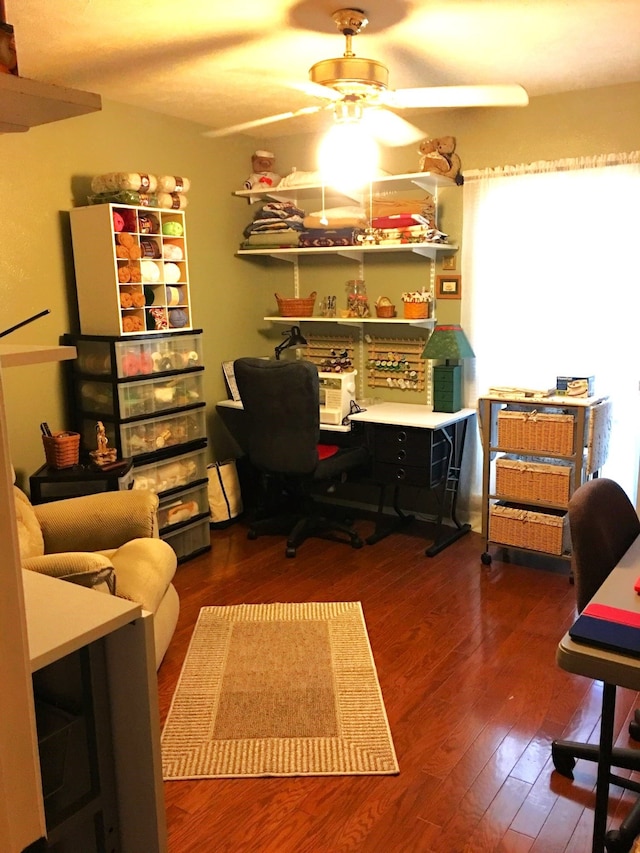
x: 296, y: 307
x: 539, y: 432
x: 386, y: 311
x: 62, y: 449
x: 416, y: 310
x: 547, y: 480
x: 524, y: 528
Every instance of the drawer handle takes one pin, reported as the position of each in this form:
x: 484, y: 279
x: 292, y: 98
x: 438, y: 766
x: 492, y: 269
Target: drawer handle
x: 400, y: 474
x: 401, y: 455
x: 402, y: 436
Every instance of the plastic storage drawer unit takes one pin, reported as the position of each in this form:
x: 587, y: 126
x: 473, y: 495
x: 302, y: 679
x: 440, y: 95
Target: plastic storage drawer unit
x: 144, y: 355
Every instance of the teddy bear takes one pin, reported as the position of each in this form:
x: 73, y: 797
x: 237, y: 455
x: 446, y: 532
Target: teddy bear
x: 438, y: 156
x: 263, y: 176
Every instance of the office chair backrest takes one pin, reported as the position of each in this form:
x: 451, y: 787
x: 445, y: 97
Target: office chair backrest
x: 281, y: 400
x: 603, y: 525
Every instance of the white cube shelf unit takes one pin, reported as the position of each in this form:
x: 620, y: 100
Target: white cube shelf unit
x: 131, y: 269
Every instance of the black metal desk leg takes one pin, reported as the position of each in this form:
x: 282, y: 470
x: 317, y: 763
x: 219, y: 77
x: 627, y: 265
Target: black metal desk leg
x: 604, y: 767
x: 450, y: 487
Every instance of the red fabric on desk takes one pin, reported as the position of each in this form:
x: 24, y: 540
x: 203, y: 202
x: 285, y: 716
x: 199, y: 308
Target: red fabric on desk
x: 613, y: 614
x: 327, y: 450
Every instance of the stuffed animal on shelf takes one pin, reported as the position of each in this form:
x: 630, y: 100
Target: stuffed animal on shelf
x: 438, y: 156
x: 263, y: 176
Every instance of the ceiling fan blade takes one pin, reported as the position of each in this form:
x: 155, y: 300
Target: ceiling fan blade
x: 259, y: 122
x: 458, y: 96
x: 389, y: 129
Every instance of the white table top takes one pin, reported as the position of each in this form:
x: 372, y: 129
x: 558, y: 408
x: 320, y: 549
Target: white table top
x: 600, y: 664
x: 63, y: 617
x: 410, y: 415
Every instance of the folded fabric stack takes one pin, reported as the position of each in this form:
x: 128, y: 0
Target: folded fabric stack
x: 276, y: 223
x: 336, y: 226
x: 399, y: 221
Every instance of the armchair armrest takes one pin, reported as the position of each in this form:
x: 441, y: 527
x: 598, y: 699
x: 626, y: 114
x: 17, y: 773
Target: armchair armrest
x: 79, y: 567
x: 97, y: 522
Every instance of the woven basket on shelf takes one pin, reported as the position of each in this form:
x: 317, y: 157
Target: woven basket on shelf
x: 386, y: 311
x: 536, y: 431
x: 545, y: 480
x: 62, y: 449
x: 523, y: 528
x: 416, y: 310
x: 296, y: 307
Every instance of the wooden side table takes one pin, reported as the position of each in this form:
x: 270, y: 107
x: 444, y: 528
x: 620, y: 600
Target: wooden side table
x: 52, y: 484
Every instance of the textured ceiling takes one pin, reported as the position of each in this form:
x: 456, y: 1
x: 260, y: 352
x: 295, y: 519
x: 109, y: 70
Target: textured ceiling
x: 222, y: 63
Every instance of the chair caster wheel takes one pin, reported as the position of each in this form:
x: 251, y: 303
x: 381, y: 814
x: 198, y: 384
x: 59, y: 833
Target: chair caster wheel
x: 357, y: 543
x: 252, y: 535
x: 291, y: 551
x: 486, y: 558
x: 634, y: 729
x: 562, y: 762
x: 615, y: 842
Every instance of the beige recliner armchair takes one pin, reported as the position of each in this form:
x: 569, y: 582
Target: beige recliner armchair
x: 108, y: 541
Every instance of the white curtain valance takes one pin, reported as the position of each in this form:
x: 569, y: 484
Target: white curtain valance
x: 568, y: 164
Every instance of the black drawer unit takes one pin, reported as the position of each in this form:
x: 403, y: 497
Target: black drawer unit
x: 410, y: 455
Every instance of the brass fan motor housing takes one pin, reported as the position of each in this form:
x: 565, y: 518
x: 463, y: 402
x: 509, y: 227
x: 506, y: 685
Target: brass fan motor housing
x: 351, y: 74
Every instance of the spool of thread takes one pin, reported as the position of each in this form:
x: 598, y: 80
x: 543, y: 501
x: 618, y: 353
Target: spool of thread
x: 172, y: 273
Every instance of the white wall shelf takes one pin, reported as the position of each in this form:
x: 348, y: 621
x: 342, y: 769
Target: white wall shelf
x: 355, y: 321
x: 27, y: 103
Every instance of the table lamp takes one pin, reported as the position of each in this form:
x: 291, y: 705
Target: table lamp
x: 293, y: 338
x: 447, y: 342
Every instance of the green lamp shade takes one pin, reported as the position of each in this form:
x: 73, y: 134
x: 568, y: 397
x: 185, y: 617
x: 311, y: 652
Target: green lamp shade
x: 448, y: 342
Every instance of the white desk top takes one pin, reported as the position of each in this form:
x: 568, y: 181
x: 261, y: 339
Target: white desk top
x: 63, y: 617
x: 410, y: 415
x: 600, y: 664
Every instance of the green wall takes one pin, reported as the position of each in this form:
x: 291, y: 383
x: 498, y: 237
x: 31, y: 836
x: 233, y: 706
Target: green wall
x: 47, y: 170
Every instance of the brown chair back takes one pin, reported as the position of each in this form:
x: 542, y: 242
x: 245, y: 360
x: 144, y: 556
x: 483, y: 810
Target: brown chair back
x: 603, y: 524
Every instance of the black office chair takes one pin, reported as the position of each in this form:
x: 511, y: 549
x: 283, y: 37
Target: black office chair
x: 281, y: 401
x: 603, y: 524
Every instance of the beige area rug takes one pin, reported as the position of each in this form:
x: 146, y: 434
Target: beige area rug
x: 278, y: 690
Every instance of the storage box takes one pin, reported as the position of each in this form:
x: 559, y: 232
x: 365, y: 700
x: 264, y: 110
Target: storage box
x: 183, y: 506
x: 172, y: 472
x: 144, y: 355
x: 190, y: 540
x: 522, y: 527
x: 140, y: 397
x: 537, y: 432
x: 575, y: 386
x: 546, y: 480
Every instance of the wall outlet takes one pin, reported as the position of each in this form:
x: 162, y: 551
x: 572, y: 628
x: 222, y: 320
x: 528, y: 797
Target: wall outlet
x: 449, y: 263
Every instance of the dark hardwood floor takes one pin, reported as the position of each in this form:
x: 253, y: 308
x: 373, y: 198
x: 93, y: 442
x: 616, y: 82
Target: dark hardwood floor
x: 465, y: 656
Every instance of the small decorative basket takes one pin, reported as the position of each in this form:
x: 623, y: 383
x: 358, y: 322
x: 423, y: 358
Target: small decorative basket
x: 416, y: 310
x: 296, y: 307
x: 386, y: 311
x: 62, y: 449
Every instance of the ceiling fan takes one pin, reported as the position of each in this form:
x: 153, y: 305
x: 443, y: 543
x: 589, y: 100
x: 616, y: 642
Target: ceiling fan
x: 357, y: 89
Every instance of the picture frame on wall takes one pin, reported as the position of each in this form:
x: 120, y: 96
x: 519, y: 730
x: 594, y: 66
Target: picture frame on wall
x: 448, y: 287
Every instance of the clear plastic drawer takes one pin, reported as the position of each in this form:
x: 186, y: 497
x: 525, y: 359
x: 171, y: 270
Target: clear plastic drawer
x: 190, y: 540
x: 183, y: 506
x: 144, y: 397
x: 171, y: 473
x: 139, y: 356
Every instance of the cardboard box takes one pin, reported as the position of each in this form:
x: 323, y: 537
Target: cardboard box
x: 575, y: 386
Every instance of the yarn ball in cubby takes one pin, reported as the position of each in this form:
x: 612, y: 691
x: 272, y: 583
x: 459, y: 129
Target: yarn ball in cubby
x: 172, y: 273
x: 175, y: 295
x: 178, y: 318
x: 118, y: 221
x: 149, y: 271
x: 172, y: 229
x: 172, y: 252
x: 148, y: 223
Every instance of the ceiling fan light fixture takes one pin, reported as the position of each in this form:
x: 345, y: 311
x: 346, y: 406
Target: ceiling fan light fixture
x: 351, y: 75
x: 348, y: 156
